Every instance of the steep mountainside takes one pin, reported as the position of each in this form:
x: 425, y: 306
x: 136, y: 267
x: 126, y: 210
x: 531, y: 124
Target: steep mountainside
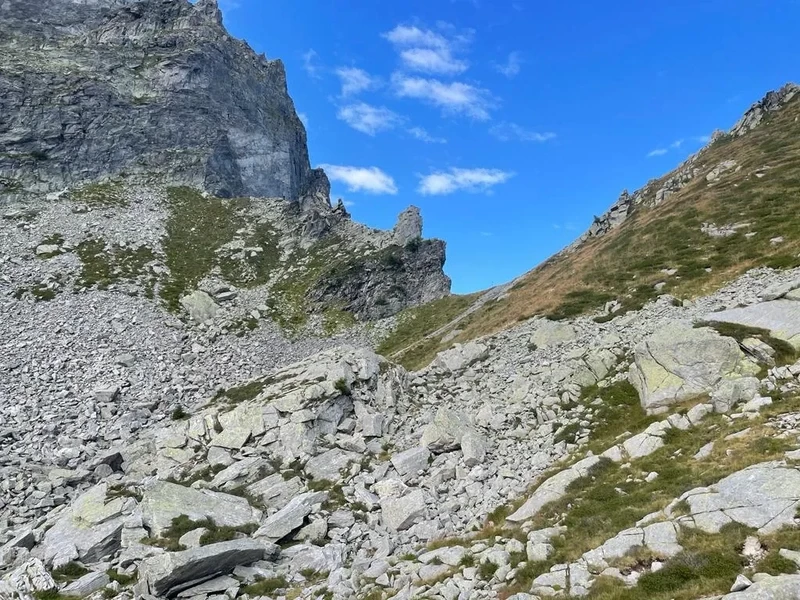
x: 89, y: 89
x: 730, y: 207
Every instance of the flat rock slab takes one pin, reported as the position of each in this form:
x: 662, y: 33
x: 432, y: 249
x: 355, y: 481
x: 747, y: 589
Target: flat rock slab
x: 291, y: 516
x: 553, y: 489
x: 780, y: 317
x: 170, y: 573
x: 329, y: 465
x: 783, y: 587
x: 764, y: 496
x: 164, y: 501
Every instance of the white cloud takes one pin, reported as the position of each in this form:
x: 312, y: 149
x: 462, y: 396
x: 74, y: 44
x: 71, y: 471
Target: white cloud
x: 702, y: 139
x: 368, y: 119
x: 355, y: 81
x: 676, y: 144
x: 422, y: 135
x: 428, y: 51
x: 310, y: 63
x: 362, y: 179
x: 468, y: 180
x: 429, y: 60
x: 506, y: 132
x: 511, y: 67
x: 304, y: 118
x: 454, y: 97
x: 657, y: 152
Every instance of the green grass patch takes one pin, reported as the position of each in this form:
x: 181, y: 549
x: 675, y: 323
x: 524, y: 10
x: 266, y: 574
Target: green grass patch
x: 197, y: 226
x: 413, y: 324
x: 266, y: 587
x: 101, y: 195
x: 121, y: 578
x: 69, y: 572
x: 103, y: 265
x: 785, y: 354
x: 170, y: 538
x: 242, y: 393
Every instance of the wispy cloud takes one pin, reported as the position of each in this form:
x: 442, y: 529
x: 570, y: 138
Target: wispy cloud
x: 511, y: 67
x: 506, y: 132
x: 355, y: 80
x: 371, y: 180
x: 422, y: 135
x: 304, y: 118
x: 368, y: 119
x: 310, y: 63
x: 677, y: 145
x: 441, y: 183
x: 429, y: 51
x: 453, y: 98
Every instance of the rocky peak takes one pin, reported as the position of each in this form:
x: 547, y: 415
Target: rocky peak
x: 408, y: 226
x: 772, y: 101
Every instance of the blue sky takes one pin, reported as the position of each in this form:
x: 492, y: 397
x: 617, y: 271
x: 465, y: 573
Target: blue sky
x: 510, y: 123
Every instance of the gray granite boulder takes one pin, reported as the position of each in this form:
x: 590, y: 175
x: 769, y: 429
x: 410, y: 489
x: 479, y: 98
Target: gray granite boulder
x: 678, y: 363
x: 169, y: 573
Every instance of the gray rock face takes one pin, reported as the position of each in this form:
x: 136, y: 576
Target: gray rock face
x: 383, y: 283
x: 90, y: 530
x: 168, y: 574
x: 678, y: 363
x: 146, y: 86
x: 773, y: 101
x: 780, y: 317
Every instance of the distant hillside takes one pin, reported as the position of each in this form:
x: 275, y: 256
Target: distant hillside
x: 731, y: 207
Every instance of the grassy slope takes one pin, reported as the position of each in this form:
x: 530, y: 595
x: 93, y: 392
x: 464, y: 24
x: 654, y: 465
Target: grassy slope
x: 628, y: 262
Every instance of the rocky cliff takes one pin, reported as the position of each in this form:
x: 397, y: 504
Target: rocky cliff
x: 149, y: 113
x: 98, y: 87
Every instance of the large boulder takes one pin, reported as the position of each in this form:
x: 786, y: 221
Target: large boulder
x: 402, y: 512
x: 163, y: 501
x: 291, y: 516
x: 445, y: 432
x: 678, y: 363
x: 90, y: 529
x: 550, y: 333
x: 460, y: 356
x: 170, y: 573
x: 200, y: 306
